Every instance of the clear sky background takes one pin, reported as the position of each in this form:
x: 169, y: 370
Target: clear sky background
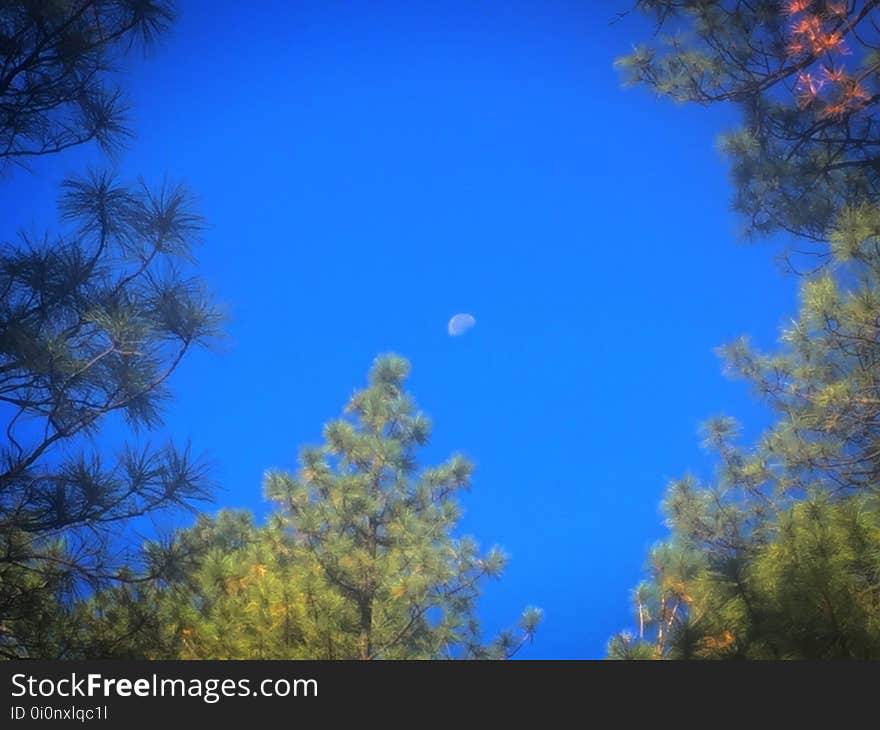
x: 371, y: 168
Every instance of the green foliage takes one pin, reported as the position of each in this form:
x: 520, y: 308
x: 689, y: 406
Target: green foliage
x: 359, y: 560
x: 778, y: 556
x: 91, y: 324
x: 805, y: 77
x: 55, y: 61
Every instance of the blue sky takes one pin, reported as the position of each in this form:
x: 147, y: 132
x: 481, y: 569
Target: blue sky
x: 369, y: 170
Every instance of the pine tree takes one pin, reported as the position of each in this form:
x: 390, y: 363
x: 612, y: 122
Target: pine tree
x: 804, y: 74
x: 222, y: 589
x: 378, y: 532
x: 778, y: 556
x: 56, y: 59
x: 92, y: 324
x: 359, y: 560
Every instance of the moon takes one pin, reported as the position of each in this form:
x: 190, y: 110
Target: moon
x: 460, y: 324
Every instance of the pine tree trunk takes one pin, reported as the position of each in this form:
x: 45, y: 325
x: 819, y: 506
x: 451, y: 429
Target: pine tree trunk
x: 366, y: 609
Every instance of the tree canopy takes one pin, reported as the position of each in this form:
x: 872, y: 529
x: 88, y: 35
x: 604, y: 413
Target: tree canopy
x: 93, y: 322
x: 56, y: 65
x: 359, y: 560
x: 778, y: 556
x: 805, y: 77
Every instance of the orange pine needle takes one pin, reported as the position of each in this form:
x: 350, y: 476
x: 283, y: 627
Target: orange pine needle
x: 808, y: 84
x: 835, y: 75
x: 809, y: 26
x: 796, y: 6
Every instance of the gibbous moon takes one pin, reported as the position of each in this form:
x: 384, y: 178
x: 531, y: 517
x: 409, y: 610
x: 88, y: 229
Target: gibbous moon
x: 460, y: 324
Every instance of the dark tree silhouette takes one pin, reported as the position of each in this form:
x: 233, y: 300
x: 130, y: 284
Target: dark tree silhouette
x: 778, y: 555
x: 91, y: 324
x: 55, y: 60
x: 804, y: 74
